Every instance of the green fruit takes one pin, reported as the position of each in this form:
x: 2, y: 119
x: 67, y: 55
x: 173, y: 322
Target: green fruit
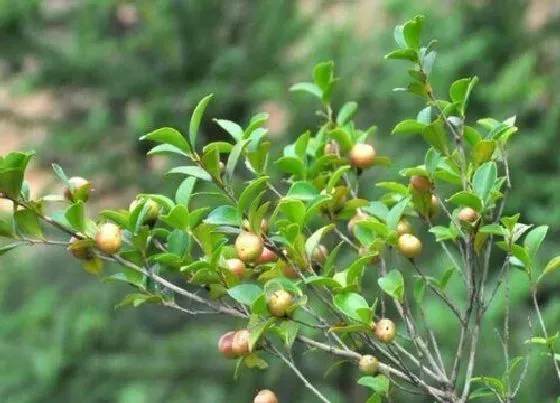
x: 78, y: 189
x: 368, y: 364
x: 409, y: 246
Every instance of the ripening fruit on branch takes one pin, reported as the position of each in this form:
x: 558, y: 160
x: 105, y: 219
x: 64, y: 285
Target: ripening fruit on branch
x: 385, y: 330
x: 359, y: 216
x: 404, y: 227
x: 265, y: 396
x: 420, y: 183
x: 368, y: 364
x: 108, y: 238
x: 331, y: 148
x: 409, y: 246
x: 79, y: 250
x: 152, y: 212
x: 362, y: 155
x: 467, y: 214
x: 78, y: 189
x: 240, y: 342
x: 320, y: 254
x: 280, y: 302
x: 236, y: 266
x: 249, y: 246
x: 266, y: 256
x: 225, y: 345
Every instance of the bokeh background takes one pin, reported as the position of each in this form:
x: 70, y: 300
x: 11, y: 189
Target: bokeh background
x: 82, y: 80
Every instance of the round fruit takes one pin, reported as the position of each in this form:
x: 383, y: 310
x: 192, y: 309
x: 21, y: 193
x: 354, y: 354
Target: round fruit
x: 362, y: 155
x: 320, y: 254
x: 368, y: 364
x: 265, y: 396
x: 236, y: 266
x: 404, y: 227
x: 78, y: 189
x: 152, y: 212
x: 249, y: 246
x: 240, y: 342
x: 225, y: 345
x: 385, y: 330
x: 266, y: 256
x: 467, y: 214
x: 79, y: 250
x: 420, y: 183
x: 279, y: 302
x: 359, y: 216
x: 409, y: 246
x: 331, y: 148
x: 108, y: 238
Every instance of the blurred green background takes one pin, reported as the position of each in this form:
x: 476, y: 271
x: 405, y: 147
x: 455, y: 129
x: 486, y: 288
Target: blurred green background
x: 83, y: 79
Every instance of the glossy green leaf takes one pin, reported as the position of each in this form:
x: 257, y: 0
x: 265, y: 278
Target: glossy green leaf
x: 483, y: 181
x: 303, y: 191
x: 168, y: 135
x: 465, y: 198
x: 184, y: 191
x: 353, y: 305
x: 27, y: 223
x: 191, y: 170
x: 178, y: 218
x: 196, y: 118
x: 346, y: 113
x: 379, y: 384
x: 392, y: 284
x: 310, y: 88
x: 232, y: 128
x: 75, y: 215
x: 245, y: 294
x: 224, y: 215
x: 409, y: 126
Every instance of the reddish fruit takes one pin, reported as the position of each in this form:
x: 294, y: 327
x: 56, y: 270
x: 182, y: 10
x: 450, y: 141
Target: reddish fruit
x: 404, y: 227
x: 320, y: 254
x: 266, y: 396
x: 266, y: 256
x: 78, y: 189
x: 279, y: 303
x: 79, y: 249
x: 225, y: 345
x: 409, y: 246
x: 362, y: 155
x: 236, y: 266
x: 240, y: 342
x: 331, y: 148
x: 359, y: 216
x: 108, y: 238
x: 385, y: 330
x: 368, y: 364
x: 420, y: 183
x: 249, y: 246
x: 467, y: 214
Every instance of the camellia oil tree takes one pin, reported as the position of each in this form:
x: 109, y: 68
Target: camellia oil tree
x: 268, y: 255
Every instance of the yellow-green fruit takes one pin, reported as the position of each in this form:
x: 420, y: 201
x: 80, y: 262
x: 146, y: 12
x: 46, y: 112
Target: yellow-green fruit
x: 368, y: 364
x: 409, y: 246
x: 79, y: 250
x: 320, y: 254
x: 152, y: 212
x: 420, y: 183
x: 467, y: 214
x: 236, y: 266
x: 359, y: 216
x: 78, y: 189
x: 404, y: 227
x: 240, y: 342
x: 249, y: 246
x: 279, y: 303
x: 362, y: 155
x: 108, y: 238
x: 266, y: 396
x: 385, y: 330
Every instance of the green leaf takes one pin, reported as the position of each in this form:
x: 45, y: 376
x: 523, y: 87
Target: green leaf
x: 245, y: 294
x: 323, y: 281
x: 137, y: 299
x: 494, y: 382
x: 465, y: 198
x: 335, y: 177
x: 379, y: 384
x: 289, y: 332
x: 294, y: 210
x: 168, y: 135
x: 492, y: 229
x: 234, y: 157
x: 254, y: 361
x: 196, y: 118
x: 483, y: 181
x: 403, y: 54
x: 232, y: 128
x: 93, y: 266
x: 191, y: 170
x: 393, y: 284
x: 224, y: 215
x: 419, y: 289
x: 310, y: 88
x: 396, y: 212
x: 6, y: 228
x: 409, y: 126
x: 75, y: 215
x: 167, y: 149
x: 482, y: 152
x: 323, y: 74
x: 412, y: 30
x: 480, y: 392
x: 303, y: 191
x: 252, y: 189
x: 461, y: 90
x: 291, y: 165
x: 60, y: 173
x: 315, y: 239
x: 27, y: 223
x: 346, y: 113
x: 343, y: 138
x: 552, y: 265
x: 434, y: 134
x: 444, y: 233
x: 256, y: 331
x: 178, y: 218
x: 353, y: 305
x: 534, y: 239
x: 184, y: 191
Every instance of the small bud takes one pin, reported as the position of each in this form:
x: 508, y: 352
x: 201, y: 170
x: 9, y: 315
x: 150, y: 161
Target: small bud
x: 385, y: 330
x: 404, y: 227
x: 240, y: 342
x: 279, y: 303
x: 152, y: 213
x: 236, y: 266
x: 78, y: 189
x: 225, y: 345
x: 420, y: 183
x: 266, y: 396
x: 108, y: 238
x: 362, y: 155
x: 368, y: 364
x: 409, y: 246
x: 249, y: 246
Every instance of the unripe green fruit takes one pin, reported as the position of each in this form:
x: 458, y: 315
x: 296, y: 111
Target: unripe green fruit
x: 249, y: 246
x: 79, y: 250
x: 409, y: 246
x: 320, y: 254
x: 266, y: 256
x: 266, y: 396
x: 236, y: 266
x: 467, y: 214
x: 108, y: 238
x: 420, y: 183
x: 225, y: 345
x: 362, y: 155
x: 359, y: 216
x: 385, y: 330
x: 152, y: 212
x: 331, y: 148
x: 279, y: 303
x: 240, y: 342
x: 404, y: 227
x: 368, y: 364
x: 78, y: 189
